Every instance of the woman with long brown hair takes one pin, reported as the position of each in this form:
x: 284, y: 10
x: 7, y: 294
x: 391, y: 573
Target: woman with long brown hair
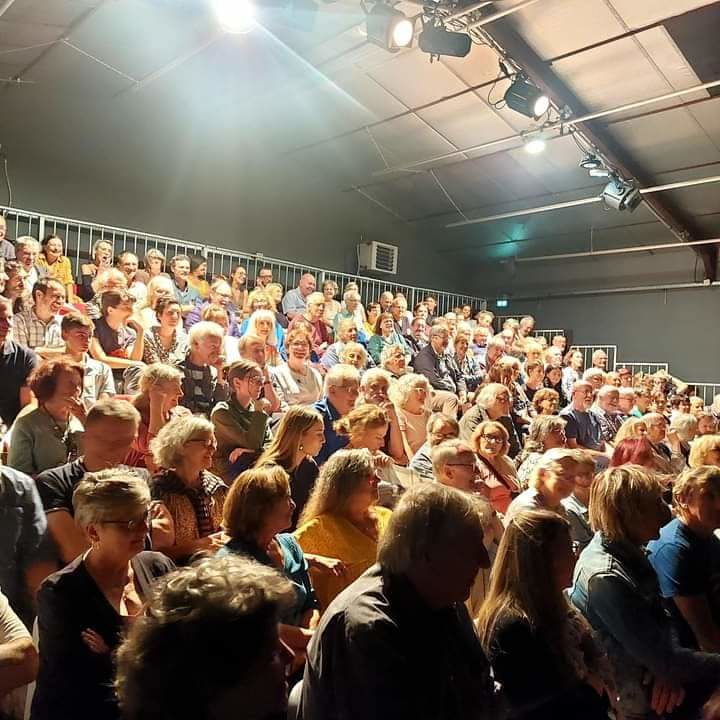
x: 491, y: 442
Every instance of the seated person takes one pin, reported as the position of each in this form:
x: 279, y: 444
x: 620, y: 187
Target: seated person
x: 356, y: 355
x: 311, y: 318
x: 394, y: 361
x: 106, y: 280
x: 341, y: 390
x: 686, y: 558
x: 466, y: 363
x: 20, y: 659
x: 257, y: 511
x: 203, y: 382
x: 224, y: 612
x: 251, y: 347
x: 617, y: 591
x: 84, y: 608
x: 298, y: 381
x: 38, y: 328
x: 262, y: 324
x: 583, y: 428
x: 185, y: 293
x: 416, y: 338
x: 119, y: 340
x: 77, y: 331
x: 607, y: 412
x: 183, y: 451
x: 541, y: 677
x: 16, y: 365
x: 439, y: 428
x: 493, y: 402
x: 410, y: 396
x: 128, y: 263
x: 576, y: 506
x: 53, y: 259
x: 242, y: 432
x: 219, y: 294
x: 546, y: 432
x: 48, y: 435
x: 346, y: 332
x: 342, y: 520
x: 166, y: 341
x: 405, y: 619
x: 497, y: 474
x: 385, y: 335
x: 102, y: 252
x: 146, y: 312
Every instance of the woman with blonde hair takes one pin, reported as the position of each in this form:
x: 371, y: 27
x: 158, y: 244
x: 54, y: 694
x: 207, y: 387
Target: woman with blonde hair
x: 161, y: 286
x: 633, y: 428
x: 411, y: 397
x: 498, y: 476
x: 262, y: 324
x: 705, y: 450
x: 541, y: 650
x: 617, y: 591
x: 686, y: 557
x: 354, y: 354
x: 332, y: 306
x: 183, y: 451
x: 342, y: 519
x: 298, y: 438
x: 274, y: 293
x: 546, y: 401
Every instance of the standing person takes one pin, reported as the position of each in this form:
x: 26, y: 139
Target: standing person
x: 297, y: 439
x: 84, y: 608
x: 16, y: 364
x: 540, y: 649
x: 38, y: 327
x: 185, y: 293
x: 102, y: 252
x: 295, y: 300
x: 196, y: 278
x: 52, y: 258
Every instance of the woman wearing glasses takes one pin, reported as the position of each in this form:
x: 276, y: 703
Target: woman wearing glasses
x: 85, y: 608
x: 497, y: 471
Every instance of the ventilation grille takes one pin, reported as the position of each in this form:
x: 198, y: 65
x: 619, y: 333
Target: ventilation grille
x: 379, y: 257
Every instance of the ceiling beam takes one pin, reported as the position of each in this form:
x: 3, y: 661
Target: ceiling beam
x: 504, y: 33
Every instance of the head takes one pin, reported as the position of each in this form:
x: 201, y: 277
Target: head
x: 600, y: 359
x: 110, y: 429
x: 411, y: 391
x: 632, y: 428
x: 220, y: 293
x: 608, y: 398
x: 224, y: 611
x: 398, y: 307
x: 49, y: 296
x: 274, y: 291
x: 264, y: 277
x: 198, y: 266
x: 112, y: 507
x: 346, y: 486
x: 386, y: 300
x: 180, y: 268
x: 117, y: 305
x: 582, y: 395
x: 707, y: 424
x: 27, y: 250
x: 656, y: 425
x: 441, y: 427
x: 385, y: 324
x: 365, y: 427
x: 535, y: 372
x: 705, y: 451
x: 258, y: 505
x: 430, y: 303
x: 439, y: 338
x: 102, y: 252
x: 52, y: 248
x: 625, y: 377
x: 238, y: 277
x: 685, y: 425
x: 160, y: 286
x: 329, y: 290
x: 696, y: 498
x: 77, y: 331
x: 300, y: 433
x: 421, y: 311
x: 491, y: 439
x: 546, y: 401
x: 595, y: 377
x: 575, y: 360
x: 495, y: 350
x: 495, y: 400
x: 206, y: 343
x: 59, y: 381
x: 315, y: 306
x: 342, y: 387
x: 546, y: 433
x: 554, y: 475
x: 251, y: 347
x: 533, y: 352
x: 560, y: 342
x: 354, y: 354
x: 154, y: 262
x: 352, y: 300
x: 643, y: 399
x: 626, y: 505
x: 167, y: 379
x: 527, y: 326
x: 553, y: 374
x: 480, y: 336
x: 262, y: 324
x: 455, y: 465
x: 430, y: 523
x: 16, y: 278
x: 626, y: 400
x: 186, y: 443
x: 298, y: 344
x: 373, y: 311
x: 347, y: 330
x: 128, y: 263
x: 307, y: 285
x: 109, y: 279
x: 168, y: 312
x: 245, y: 379
x: 393, y: 360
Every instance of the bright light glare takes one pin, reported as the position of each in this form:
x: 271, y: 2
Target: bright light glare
x: 234, y: 16
x: 535, y: 146
x: 541, y: 105
x: 402, y: 33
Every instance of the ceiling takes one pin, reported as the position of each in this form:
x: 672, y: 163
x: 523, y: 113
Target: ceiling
x: 149, y: 91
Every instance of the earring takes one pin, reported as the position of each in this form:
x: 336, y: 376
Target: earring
x: 301, y: 448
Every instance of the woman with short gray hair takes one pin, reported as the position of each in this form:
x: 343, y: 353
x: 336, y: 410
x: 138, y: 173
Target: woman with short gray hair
x: 83, y: 610
x: 546, y: 432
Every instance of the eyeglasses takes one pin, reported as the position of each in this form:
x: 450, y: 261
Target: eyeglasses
x: 208, y: 444
x: 255, y: 380
x: 493, y: 438
x: 131, y: 525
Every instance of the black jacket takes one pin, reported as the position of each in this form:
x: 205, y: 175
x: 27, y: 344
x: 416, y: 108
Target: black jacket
x: 440, y: 370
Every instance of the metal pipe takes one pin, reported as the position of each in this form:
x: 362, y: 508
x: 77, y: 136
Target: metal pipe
x: 6, y: 6
x: 553, y: 126
x: 617, y: 251
x: 467, y: 10
x: 583, y: 201
x: 501, y: 14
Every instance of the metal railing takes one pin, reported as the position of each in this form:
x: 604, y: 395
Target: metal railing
x: 647, y: 368
x: 707, y: 391
x: 588, y: 350
x: 548, y: 334
x: 79, y: 237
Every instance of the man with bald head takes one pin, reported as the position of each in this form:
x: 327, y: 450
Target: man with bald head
x: 295, y: 300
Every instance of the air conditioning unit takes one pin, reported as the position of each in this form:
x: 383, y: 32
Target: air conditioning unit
x: 378, y: 256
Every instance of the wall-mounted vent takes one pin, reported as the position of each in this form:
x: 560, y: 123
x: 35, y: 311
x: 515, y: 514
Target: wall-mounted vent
x: 379, y: 257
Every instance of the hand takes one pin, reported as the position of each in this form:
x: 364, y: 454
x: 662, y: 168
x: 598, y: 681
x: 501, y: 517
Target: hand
x: 329, y: 565
x: 237, y: 453
x: 94, y: 642
x: 382, y: 460
x: 673, y: 439
x: 263, y: 405
x: 665, y: 697
x: 75, y: 407
x: 133, y: 324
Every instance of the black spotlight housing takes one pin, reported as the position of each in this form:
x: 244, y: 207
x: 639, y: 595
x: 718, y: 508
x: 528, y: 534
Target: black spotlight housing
x: 389, y: 28
x: 621, y: 195
x: 438, y: 41
x: 527, y: 99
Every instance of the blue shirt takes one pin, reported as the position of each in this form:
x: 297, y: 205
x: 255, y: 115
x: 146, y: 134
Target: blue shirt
x: 686, y: 565
x: 16, y: 364
x: 293, y: 301
x: 333, y: 441
x: 188, y: 296
x: 583, y: 427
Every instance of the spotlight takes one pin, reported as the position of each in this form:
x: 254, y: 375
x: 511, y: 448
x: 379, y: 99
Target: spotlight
x: 234, y: 16
x: 535, y: 145
x: 591, y: 162
x: 525, y: 98
x: 621, y: 195
x: 437, y: 41
x: 389, y: 28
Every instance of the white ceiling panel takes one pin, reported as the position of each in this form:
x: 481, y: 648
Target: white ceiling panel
x: 637, y: 13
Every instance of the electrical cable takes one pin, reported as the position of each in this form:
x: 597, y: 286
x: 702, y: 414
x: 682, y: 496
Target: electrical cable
x: 7, y: 181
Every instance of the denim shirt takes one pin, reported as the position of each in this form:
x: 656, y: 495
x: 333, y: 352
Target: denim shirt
x: 617, y: 591
x: 22, y: 526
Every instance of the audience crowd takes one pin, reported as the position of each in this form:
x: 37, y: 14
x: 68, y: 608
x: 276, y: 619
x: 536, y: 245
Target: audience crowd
x: 223, y: 498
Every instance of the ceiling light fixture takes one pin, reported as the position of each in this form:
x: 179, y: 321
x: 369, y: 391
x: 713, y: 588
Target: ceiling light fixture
x: 234, y: 16
x: 389, y: 28
x: 525, y: 98
x: 535, y: 145
x: 437, y: 41
x: 621, y: 195
x: 591, y: 162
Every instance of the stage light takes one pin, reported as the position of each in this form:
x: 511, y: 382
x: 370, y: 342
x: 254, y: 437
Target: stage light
x: 525, y: 98
x: 535, y: 145
x: 234, y: 16
x: 389, y: 28
x: 621, y: 195
x: 591, y: 162
x: 438, y: 41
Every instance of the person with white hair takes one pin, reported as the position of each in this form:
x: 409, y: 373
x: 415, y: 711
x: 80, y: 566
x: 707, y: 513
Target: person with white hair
x: 595, y: 376
x: 606, y: 410
x: 401, y: 633
x: 439, y: 428
x: 101, y: 253
x: 27, y: 252
x: 351, y: 309
x: 346, y: 331
x: 203, y: 368
x: 626, y: 402
x: 410, y: 395
x: 311, y: 318
x: 220, y: 294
